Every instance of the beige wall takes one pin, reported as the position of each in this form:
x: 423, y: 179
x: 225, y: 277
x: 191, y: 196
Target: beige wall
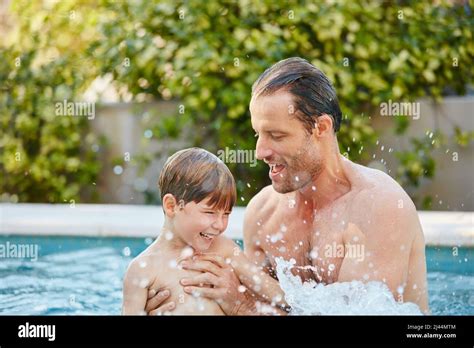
x: 453, y: 185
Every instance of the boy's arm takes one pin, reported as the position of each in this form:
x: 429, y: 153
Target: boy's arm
x: 135, y: 290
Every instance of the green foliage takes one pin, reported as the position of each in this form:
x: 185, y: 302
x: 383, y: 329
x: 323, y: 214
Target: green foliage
x: 206, y: 55
x: 43, y: 157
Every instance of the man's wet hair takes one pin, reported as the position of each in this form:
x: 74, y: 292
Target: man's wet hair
x: 312, y: 91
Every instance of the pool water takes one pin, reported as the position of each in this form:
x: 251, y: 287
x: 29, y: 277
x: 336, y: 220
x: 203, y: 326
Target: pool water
x: 79, y: 275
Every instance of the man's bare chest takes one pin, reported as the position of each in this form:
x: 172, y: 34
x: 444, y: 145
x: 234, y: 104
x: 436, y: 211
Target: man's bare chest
x: 315, y: 242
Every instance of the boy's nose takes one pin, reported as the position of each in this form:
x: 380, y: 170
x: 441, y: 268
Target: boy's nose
x: 219, y: 224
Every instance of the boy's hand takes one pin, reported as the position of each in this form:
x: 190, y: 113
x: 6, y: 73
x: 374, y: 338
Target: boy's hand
x: 225, y: 287
x: 154, y: 304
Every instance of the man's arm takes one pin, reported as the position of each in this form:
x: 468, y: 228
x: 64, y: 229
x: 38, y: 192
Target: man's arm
x: 255, y: 255
x: 388, y: 240
x: 253, y: 276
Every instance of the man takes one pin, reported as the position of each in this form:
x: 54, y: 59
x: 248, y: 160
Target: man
x: 347, y: 221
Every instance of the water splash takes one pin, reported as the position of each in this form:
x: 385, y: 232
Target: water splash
x: 346, y: 298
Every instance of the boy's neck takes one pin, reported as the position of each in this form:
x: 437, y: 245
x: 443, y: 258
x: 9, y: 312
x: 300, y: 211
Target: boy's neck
x: 171, y: 241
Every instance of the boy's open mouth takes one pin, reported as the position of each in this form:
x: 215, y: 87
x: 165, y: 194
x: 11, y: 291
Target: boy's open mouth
x: 207, y: 236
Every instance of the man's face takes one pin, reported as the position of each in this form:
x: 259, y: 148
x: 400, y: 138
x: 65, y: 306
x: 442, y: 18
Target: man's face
x: 283, y: 143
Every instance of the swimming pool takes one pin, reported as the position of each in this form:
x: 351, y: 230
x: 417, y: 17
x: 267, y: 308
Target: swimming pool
x: 83, y: 275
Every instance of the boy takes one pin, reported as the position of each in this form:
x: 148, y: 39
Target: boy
x: 198, y: 193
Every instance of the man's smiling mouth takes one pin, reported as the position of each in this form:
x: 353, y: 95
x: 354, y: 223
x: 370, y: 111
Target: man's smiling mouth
x: 276, y: 169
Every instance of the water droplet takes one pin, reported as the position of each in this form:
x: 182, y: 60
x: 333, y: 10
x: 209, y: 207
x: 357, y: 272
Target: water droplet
x: 186, y: 252
x: 143, y: 283
x: 291, y: 203
x: 126, y: 252
x: 313, y: 188
x: 142, y: 264
x: 118, y: 170
x: 276, y: 237
x: 148, y: 134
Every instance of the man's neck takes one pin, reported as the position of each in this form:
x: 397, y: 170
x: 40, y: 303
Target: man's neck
x: 331, y: 184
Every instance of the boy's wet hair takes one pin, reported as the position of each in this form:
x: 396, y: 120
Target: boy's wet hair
x: 194, y: 174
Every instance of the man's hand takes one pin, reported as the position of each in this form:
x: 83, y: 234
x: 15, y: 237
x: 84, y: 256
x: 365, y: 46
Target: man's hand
x: 218, y: 282
x: 154, y: 303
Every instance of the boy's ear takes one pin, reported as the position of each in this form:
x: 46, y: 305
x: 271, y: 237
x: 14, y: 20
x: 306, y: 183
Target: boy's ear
x: 169, y: 204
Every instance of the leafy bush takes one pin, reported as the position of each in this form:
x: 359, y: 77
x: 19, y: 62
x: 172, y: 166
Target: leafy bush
x: 206, y: 55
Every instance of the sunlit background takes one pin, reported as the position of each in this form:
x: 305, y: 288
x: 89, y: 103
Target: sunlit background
x: 157, y: 76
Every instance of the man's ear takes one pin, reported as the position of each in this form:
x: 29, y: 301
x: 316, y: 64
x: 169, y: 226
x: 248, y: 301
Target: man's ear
x: 169, y: 205
x: 323, y: 125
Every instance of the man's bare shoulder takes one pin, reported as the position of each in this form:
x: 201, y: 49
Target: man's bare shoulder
x: 373, y: 185
x: 263, y: 199
x: 260, y: 208
x: 384, y: 202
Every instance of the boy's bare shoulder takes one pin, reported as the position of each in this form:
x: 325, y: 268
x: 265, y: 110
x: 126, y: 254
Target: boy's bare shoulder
x: 146, y: 263
x: 223, y: 246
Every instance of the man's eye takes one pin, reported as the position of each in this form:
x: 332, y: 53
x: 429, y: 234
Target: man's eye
x: 209, y: 212
x: 277, y: 137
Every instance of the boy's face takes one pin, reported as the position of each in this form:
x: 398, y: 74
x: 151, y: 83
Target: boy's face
x: 198, y: 224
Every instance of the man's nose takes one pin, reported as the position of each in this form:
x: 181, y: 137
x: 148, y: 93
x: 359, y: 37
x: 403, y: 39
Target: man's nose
x: 262, y: 149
